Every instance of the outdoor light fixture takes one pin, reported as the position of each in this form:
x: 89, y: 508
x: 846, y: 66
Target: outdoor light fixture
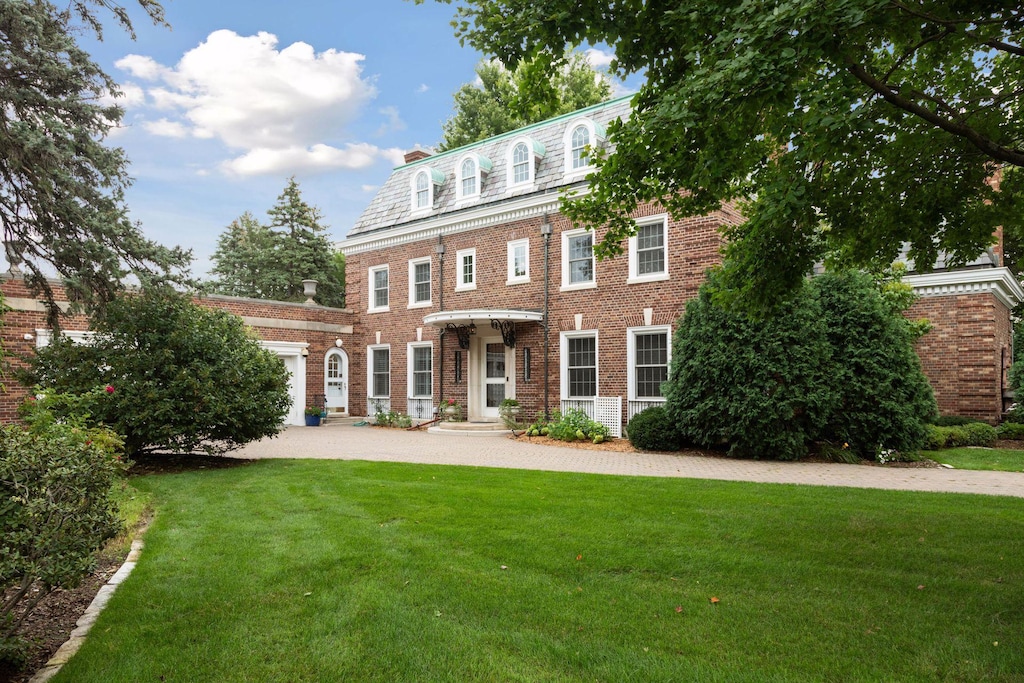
x: 338, y: 343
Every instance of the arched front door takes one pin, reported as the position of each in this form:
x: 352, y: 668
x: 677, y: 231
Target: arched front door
x: 336, y: 380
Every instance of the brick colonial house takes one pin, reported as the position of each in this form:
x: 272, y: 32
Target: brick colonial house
x: 311, y: 340
x: 465, y: 282
x: 468, y: 284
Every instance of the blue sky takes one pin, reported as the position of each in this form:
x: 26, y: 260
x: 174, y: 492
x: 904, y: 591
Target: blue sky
x: 237, y: 96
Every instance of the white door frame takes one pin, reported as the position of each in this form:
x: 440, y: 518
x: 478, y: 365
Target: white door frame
x: 294, y: 360
x: 340, y: 401
x: 478, y: 377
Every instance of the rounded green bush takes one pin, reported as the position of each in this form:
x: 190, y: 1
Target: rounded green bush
x: 653, y: 430
x: 1013, y: 431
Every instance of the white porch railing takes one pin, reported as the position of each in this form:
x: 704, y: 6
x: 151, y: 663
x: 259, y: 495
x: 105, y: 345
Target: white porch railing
x: 606, y: 410
x: 638, y: 405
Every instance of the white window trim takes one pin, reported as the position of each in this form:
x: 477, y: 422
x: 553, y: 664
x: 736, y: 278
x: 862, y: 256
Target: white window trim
x: 482, y: 167
x: 566, y: 285
x: 459, y: 285
x: 513, y: 279
x: 563, y: 361
x: 370, y: 304
x: 633, y: 254
x: 434, y: 179
x: 369, y: 369
x: 410, y: 380
x: 412, y: 283
x: 631, y: 334
x: 536, y: 152
x: 595, y: 141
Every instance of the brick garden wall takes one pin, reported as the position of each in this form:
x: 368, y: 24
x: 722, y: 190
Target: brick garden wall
x: 317, y: 326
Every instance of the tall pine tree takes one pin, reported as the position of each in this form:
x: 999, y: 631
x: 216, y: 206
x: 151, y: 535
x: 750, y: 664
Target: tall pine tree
x: 271, y: 261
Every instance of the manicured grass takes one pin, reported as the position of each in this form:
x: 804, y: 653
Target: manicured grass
x: 349, y: 571
x: 1002, y: 459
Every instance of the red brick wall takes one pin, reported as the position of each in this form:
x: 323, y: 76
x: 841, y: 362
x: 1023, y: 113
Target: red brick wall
x: 967, y: 352
x: 693, y: 246
x: 18, y: 324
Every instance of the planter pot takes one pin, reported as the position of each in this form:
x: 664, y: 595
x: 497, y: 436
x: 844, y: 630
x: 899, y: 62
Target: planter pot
x: 449, y: 411
x: 312, y: 420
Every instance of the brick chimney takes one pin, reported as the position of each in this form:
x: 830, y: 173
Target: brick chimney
x: 416, y: 155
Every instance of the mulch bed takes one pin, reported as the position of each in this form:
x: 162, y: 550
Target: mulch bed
x: 53, y: 619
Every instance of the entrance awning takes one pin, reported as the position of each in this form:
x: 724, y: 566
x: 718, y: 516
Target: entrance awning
x: 477, y: 315
x: 464, y: 323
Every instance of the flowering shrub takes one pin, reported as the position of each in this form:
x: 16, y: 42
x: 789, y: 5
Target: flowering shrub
x: 574, y: 425
x: 55, y: 507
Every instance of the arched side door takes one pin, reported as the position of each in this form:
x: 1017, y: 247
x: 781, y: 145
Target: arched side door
x: 336, y: 380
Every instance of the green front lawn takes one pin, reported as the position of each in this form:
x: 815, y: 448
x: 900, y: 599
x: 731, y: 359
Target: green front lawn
x: 1002, y: 459
x: 352, y: 571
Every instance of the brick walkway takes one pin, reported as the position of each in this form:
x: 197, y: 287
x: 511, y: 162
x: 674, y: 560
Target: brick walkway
x: 342, y: 441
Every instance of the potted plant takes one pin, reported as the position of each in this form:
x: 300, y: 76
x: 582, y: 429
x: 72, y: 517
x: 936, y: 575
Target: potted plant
x: 509, y: 412
x: 452, y: 410
x: 313, y: 415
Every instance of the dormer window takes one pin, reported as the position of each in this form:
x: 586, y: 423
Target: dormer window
x: 467, y: 176
x: 470, y: 172
x: 422, y: 190
x: 523, y: 157
x: 581, y: 137
x: 425, y: 182
x: 578, y: 150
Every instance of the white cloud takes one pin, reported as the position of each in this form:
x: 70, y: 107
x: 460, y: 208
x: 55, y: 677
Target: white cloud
x: 285, y: 109
x: 142, y: 67
x: 423, y: 88
x: 369, y: 188
x: 393, y: 121
x: 165, y: 128
x: 318, y: 157
x: 598, y: 59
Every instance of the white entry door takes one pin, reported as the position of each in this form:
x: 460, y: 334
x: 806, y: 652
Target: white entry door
x: 494, y: 376
x: 336, y: 380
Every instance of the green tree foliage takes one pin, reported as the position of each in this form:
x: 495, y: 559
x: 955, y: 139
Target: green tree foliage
x: 271, y: 261
x: 837, y: 364
x: 886, y: 400
x: 61, y: 188
x: 847, y: 127
x: 183, y: 377
x: 763, y: 388
x: 55, y: 509
x: 536, y: 90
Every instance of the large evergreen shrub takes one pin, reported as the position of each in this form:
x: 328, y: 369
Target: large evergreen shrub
x: 836, y: 363
x: 761, y: 387
x: 886, y: 401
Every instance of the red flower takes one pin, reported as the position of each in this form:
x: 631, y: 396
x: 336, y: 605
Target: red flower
x: 110, y: 389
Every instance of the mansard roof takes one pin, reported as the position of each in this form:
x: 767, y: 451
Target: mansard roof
x: 392, y: 206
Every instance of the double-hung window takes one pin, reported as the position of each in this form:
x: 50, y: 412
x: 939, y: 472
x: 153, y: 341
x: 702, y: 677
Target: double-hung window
x: 579, y: 365
x: 578, y: 259
x: 578, y: 150
x: 648, y: 362
x: 465, y: 261
x: 648, y: 251
x: 421, y: 377
x: 380, y: 371
x: 419, y: 282
x: 518, y: 261
x: 380, y: 289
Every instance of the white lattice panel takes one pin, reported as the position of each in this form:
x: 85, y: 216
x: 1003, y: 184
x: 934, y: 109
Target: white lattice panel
x: 608, y: 411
